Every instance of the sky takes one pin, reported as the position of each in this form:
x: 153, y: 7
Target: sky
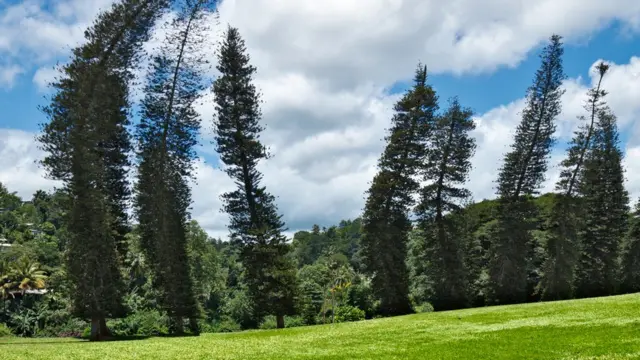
x: 329, y: 73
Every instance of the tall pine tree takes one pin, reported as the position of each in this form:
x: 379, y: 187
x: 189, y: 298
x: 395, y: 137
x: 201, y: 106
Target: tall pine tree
x: 83, y: 139
x: 255, y: 222
x: 631, y: 256
x: 386, y: 223
x: 564, y: 224
x: 167, y: 134
x: 521, y: 176
x: 606, y: 211
x: 450, y: 149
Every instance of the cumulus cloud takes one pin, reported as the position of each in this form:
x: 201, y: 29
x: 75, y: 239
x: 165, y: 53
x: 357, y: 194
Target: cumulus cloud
x: 37, y: 31
x: 324, y: 70
x: 44, y: 76
x: 343, y: 42
x: 19, y: 171
x: 8, y: 75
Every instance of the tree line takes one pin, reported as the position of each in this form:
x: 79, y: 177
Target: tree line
x: 419, y: 244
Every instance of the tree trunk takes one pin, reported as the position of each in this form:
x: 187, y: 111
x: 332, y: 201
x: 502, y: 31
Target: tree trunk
x: 104, y: 330
x: 177, y: 326
x: 333, y: 309
x: 193, y: 326
x: 95, y: 329
x: 279, y: 321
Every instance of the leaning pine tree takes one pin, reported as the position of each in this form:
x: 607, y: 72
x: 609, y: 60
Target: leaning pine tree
x: 86, y: 116
x: 450, y: 149
x: 255, y: 222
x: 563, y: 224
x: 606, y: 211
x: 167, y: 134
x: 386, y: 223
x: 521, y: 176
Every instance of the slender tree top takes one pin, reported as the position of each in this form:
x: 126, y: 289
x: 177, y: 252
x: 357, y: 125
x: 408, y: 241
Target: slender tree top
x: 525, y: 165
x: 581, y: 142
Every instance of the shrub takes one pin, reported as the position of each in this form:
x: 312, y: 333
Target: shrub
x: 225, y: 326
x: 269, y: 322
x: 5, y: 331
x: 72, y: 328
x: 294, y: 321
x: 349, y: 313
x: 141, y: 323
x: 423, y: 308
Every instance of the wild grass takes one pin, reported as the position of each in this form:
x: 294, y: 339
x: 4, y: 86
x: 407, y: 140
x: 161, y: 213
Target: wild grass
x: 600, y: 328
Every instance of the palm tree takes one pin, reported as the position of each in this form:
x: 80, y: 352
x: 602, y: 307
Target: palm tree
x: 5, y: 280
x: 27, y: 275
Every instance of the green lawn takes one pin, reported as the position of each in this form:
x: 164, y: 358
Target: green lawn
x: 602, y: 328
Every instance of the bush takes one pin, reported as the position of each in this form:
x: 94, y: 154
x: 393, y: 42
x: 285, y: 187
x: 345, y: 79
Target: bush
x: 141, y: 323
x: 294, y: 321
x: 5, y: 331
x: 225, y: 326
x: 72, y: 328
x: 349, y: 313
x: 423, y: 308
x: 269, y: 322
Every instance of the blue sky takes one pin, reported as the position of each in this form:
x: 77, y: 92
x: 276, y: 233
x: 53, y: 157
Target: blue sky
x: 330, y: 75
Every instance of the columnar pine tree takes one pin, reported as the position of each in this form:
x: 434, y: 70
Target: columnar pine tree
x: 255, y: 222
x: 450, y: 149
x: 167, y: 134
x: 521, y: 176
x: 606, y: 211
x: 386, y: 223
x: 562, y: 244
x: 83, y: 138
x: 631, y: 256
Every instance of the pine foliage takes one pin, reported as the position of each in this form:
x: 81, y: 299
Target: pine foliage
x: 606, y: 210
x: 521, y: 176
x: 86, y: 143
x: 449, y: 150
x: 167, y: 135
x: 564, y: 222
x: 254, y: 219
x: 386, y: 223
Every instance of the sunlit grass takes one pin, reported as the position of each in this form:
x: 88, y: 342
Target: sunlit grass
x: 602, y: 328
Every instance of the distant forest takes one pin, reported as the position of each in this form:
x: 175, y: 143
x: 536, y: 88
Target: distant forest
x: 104, y: 256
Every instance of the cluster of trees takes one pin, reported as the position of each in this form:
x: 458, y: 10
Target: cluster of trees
x: 416, y: 206
x: 420, y: 244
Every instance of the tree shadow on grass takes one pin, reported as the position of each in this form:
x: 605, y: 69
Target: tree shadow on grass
x: 78, y: 340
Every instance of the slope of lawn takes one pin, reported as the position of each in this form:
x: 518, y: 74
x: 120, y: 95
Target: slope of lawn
x: 601, y: 328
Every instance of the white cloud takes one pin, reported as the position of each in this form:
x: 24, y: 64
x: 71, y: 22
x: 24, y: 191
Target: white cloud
x: 346, y: 42
x: 18, y: 168
x: 8, y: 75
x: 44, y: 76
x: 632, y: 167
x: 323, y: 69
x: 37, y: 31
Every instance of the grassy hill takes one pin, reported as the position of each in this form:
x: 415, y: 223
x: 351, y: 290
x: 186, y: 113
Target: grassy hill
x: 601, y: 328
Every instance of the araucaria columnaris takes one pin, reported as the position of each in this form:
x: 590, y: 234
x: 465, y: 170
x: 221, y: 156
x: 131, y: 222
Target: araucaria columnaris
x: 86, y: 144
x: 166, y: 136
x: 386, y: 222
x: 521, y: 176
x: 254, y: 219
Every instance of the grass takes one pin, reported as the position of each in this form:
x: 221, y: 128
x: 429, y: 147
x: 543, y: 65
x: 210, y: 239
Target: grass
x: 601, y: 328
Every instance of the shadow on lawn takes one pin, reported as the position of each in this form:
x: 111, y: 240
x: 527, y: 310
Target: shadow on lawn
x: 31, y: 341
